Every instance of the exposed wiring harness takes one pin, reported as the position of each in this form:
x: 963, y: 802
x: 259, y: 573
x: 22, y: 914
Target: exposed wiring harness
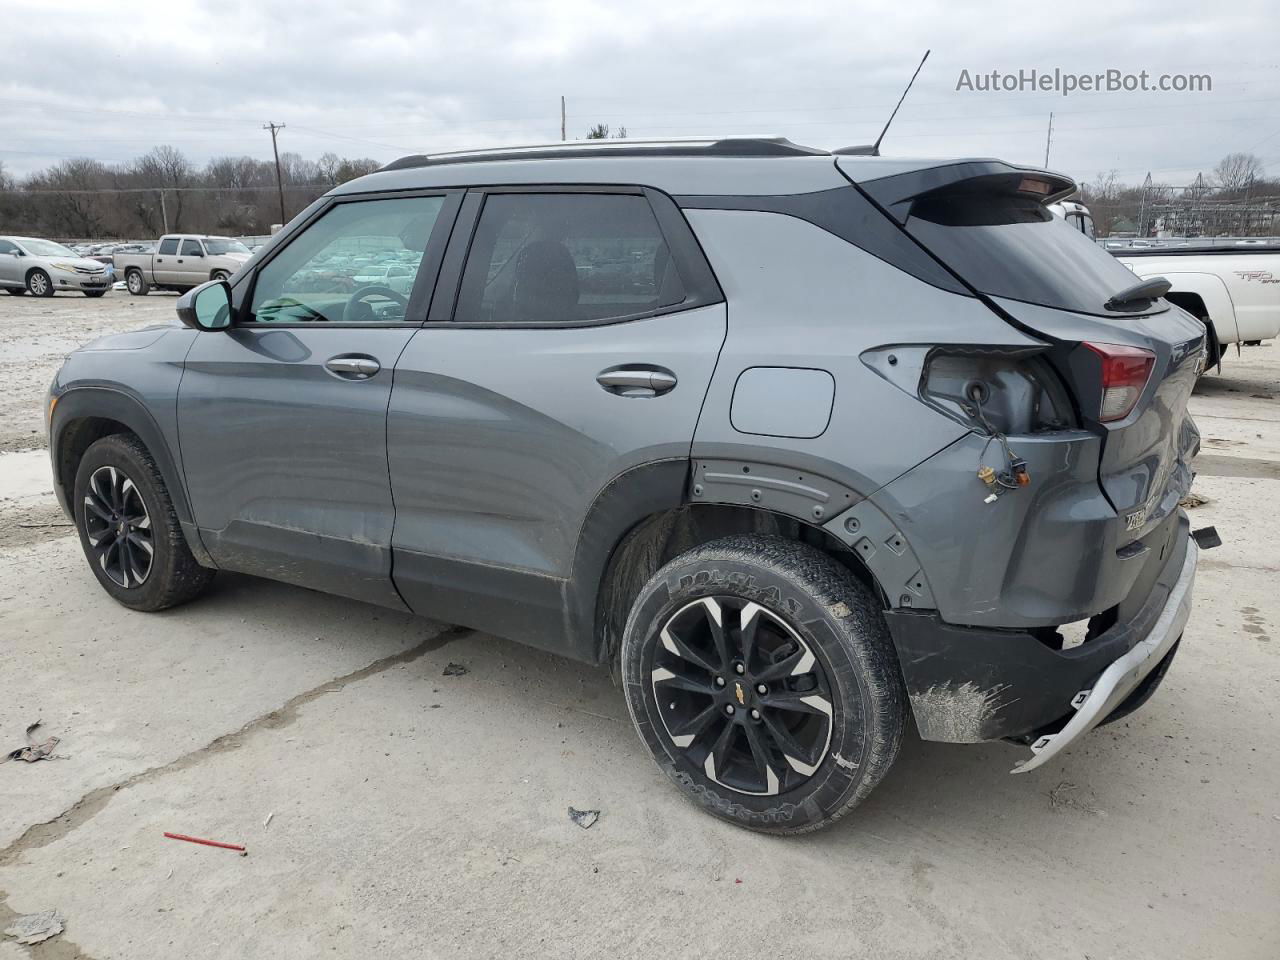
x: 1015, y: 473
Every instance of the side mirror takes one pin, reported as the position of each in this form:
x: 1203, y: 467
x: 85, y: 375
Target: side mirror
x: 207, y: 307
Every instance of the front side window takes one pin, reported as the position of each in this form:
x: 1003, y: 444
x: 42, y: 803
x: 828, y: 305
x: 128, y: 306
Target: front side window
x: 336, y: 270
x: 191, y: 248
x: 566, y: 258
x: 169, y: 245
x: 7, y: 247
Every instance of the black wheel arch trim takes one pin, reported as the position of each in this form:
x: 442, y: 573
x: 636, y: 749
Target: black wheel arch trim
x: 107, y: 403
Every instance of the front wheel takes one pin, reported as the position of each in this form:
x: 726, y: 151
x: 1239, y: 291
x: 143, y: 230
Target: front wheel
x: 220, y: 275
x: 129, y: 530
x: 761, y: 676
x: 39, y: 284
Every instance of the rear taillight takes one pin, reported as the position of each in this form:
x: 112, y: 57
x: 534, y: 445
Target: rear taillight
x: 1125, y: 371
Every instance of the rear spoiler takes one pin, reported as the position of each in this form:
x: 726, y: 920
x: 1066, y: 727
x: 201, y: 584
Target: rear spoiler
x: 897, y: 193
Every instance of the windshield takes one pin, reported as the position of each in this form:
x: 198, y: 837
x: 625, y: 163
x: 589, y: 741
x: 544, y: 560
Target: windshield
x: 1010, y: 246
x: 46, y: 248
x: 218, y: 246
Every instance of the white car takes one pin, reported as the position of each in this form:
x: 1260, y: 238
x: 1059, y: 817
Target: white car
x: 42, y: 267
x: 398, y: 276
x: 1234, y: 289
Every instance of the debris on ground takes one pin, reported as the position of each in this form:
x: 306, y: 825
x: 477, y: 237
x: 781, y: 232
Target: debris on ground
x: 1193, y: 500
x: 267, y: 822
x: 208, y: 843
x: 33, y: 751
x: 455, y: 670
x: 1064, y: 795
x: 586, y: 819
x: 36, y: 927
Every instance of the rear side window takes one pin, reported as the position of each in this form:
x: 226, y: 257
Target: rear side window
x: 566, y: 258
x: 1012, y: 246
x: 191, y: 248
x: 168, y: 245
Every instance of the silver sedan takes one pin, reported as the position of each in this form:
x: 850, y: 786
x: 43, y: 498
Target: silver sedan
x: 42, y: 267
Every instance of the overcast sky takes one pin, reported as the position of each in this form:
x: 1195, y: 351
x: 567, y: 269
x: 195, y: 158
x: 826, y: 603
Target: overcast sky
x: 383, y: 78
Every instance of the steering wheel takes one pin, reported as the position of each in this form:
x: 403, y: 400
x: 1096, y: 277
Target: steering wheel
x: 364, y: 312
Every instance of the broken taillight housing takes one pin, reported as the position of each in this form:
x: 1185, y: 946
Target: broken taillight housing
x: 1125, y: 372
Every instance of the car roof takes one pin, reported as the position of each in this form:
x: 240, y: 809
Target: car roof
x: 695, y: 166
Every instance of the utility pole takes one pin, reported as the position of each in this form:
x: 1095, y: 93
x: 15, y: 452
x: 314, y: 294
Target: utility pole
x: 164, y: 213
x: 562, y: 137
x: 1048, y: 140
x: 276, y: 128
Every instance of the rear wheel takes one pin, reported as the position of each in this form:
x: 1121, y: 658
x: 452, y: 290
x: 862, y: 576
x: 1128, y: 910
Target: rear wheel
x: 136, y: 283
x: 761, y: 676
x: 129, y: 529
x: 39, y: 284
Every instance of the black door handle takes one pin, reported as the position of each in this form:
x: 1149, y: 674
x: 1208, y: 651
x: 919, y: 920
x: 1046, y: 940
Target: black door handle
x: 637, y: 381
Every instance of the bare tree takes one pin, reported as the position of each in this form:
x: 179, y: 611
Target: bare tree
x: 601, y: 132
x: 168, y: 167
x: 1236, y: 172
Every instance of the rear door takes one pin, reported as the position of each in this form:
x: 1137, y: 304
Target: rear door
x: 282, y: 417
x: 189, y: 267
x: 579, y: 345
x: 988, y: 223
x: 164, y: 264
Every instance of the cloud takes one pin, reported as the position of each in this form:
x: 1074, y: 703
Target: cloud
x: 385, y: 77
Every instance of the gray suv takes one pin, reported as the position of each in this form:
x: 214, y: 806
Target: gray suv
x: 799, y: 444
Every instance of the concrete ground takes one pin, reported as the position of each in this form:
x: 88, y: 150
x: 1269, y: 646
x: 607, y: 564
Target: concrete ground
x: 417, y: 814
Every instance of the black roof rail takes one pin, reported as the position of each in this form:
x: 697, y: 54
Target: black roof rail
x: 745, y: 146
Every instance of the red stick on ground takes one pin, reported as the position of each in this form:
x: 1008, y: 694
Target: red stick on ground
x: 207, y: 843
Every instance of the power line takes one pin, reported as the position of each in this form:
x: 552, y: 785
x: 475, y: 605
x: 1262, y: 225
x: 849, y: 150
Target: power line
x: 276, y: 128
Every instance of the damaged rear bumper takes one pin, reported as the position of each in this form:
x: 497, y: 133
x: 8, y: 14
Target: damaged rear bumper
x: 971, y: 684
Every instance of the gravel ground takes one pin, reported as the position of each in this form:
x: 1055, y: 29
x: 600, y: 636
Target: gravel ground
x: 392, y: 810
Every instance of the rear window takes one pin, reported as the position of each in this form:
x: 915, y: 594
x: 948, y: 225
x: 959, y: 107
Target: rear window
x: 1011, y: 246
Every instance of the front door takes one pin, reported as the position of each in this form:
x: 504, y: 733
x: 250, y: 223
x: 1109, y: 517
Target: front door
x: 11, y: 273
x: 580, y: 348
x: 282, y: 418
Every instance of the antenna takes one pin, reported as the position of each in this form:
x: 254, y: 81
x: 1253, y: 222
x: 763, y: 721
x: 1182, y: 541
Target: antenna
x: 875, y: 147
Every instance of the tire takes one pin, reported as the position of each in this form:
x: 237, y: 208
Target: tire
x: 39, y: 284
x: 15, y: 291
x: 155, y: 570
x: 823, y: 668
x: 94, y: 294
x: 136, y: 283
x: 219, y: 275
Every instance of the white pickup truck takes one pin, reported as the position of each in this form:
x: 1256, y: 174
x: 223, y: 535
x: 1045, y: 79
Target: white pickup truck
x: 1234, y: 289
x: 181, y: 261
